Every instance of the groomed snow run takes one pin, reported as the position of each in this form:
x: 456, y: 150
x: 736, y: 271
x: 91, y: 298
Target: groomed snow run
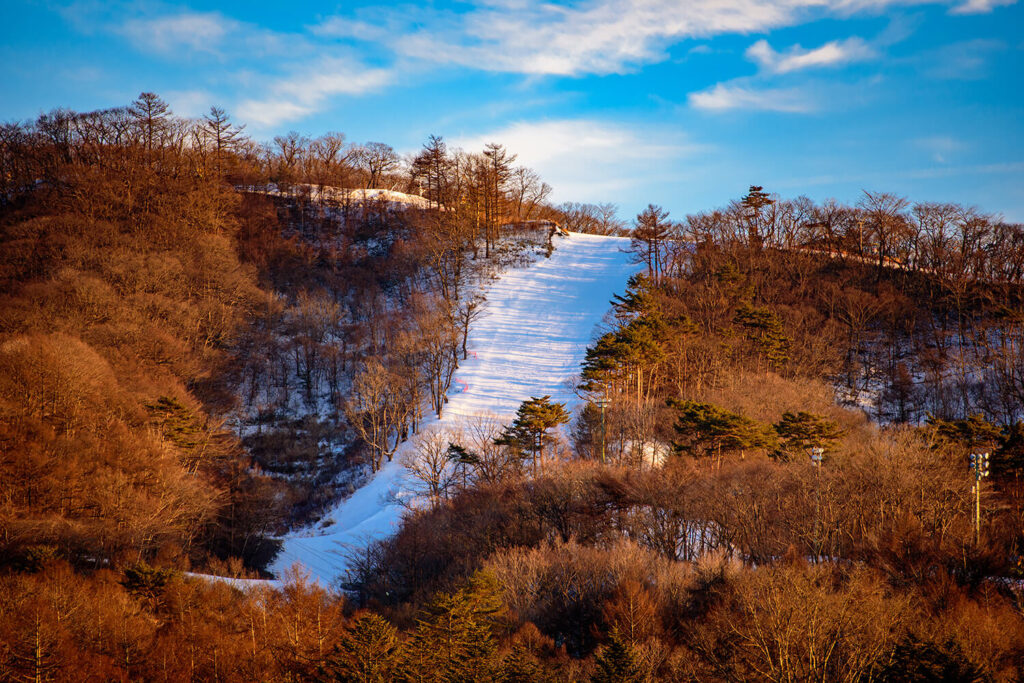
x: 530, y: 341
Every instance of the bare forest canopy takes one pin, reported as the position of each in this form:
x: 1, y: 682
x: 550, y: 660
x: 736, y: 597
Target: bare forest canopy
x: 205, y: 341
x: 912, y: 309
x: 189, y: 368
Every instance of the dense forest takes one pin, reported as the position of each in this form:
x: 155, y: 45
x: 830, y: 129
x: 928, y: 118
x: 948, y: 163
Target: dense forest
x: 206, y: 341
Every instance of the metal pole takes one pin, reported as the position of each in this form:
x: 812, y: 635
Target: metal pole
x: 977, y: 510
x: 816, y: 455
x: 979, y: 465
x: 604, y: 430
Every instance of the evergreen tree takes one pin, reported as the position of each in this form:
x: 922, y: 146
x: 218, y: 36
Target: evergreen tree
x: 454, y: 640
x: 519, y: 666
x: 709, y: 430
x: 367, y: 652
x: 650, y: 233
x: 616, y: 663
x: 529, y: 432
x: 975, y: 432
x: 629, y: 355
x: 431, y: 169
x: 755, y: 200
x: 915, y: 660
x: 148, y: 582
x: 463, y: 459
x: 764, y: 328
x: 801, y: 431
x: 1009, y: 459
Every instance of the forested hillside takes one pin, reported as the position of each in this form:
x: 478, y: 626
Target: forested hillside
x: 206, y: 342
x: 724, y: 517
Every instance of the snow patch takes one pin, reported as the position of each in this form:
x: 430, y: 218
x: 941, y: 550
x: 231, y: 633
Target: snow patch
x: 530, y: 341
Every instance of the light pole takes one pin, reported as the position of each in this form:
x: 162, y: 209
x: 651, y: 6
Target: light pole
x: 979, y: 465
x: 603, y: 402
x: 817, y: 453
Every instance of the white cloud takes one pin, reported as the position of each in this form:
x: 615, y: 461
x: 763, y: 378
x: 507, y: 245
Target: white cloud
x: 725, y: 96
x: 192, y: 103
x: 307, y: 90
x: 179, y: 34
x: 797, y: 58
x: 339, y: 27
x: 195, y: 31
x: 939, y: 147
x: 980, y: 6
x: 586, y: 159
x: 598, y: 36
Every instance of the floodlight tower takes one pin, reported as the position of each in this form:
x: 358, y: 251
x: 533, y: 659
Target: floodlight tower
x: 817, y: 454
x: 979, y: 466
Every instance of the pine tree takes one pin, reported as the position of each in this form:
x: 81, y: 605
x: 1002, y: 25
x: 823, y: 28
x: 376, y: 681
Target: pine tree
x: 147, y: 582
x: 432, y: 167
x: 764, y: 328
x: 616, y: 663
x: 1008, y: 460
x: 915, y: 660
x: 629, y: 354
x: 367, y: 652
x: 529, y: 432
x: 649, y: 236
x: 454, y: 640
x: 463, y: 459
x: 973, y: 433
x: 753, y: 203
x: 801, y: 431
x: 520, y: 667
x: 709, y: 430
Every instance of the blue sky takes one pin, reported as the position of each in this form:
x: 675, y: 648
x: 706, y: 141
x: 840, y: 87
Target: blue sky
x: 682, y: 103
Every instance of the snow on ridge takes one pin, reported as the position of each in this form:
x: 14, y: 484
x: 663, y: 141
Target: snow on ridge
x: 329, y: 193
x: 531, y: 340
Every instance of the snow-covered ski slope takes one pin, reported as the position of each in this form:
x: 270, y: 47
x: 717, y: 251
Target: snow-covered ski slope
x: 532, y: 338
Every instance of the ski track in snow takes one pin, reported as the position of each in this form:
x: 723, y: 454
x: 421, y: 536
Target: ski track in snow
x: 531, y: 339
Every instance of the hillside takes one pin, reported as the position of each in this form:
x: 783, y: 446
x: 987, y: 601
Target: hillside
x: 206, y: 353
x: 538, y: 322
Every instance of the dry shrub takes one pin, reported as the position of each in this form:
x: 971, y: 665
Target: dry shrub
x: 988, y: 630
x: 56, y: 379
x: 798, y: 623
x: 80, y: 469
x: 569, y: 590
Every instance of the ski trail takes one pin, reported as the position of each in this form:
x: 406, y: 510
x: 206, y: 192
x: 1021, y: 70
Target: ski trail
x: 531, y: 339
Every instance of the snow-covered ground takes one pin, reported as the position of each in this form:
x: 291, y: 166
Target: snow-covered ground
x: 393, y: 198
x: 531, y: 340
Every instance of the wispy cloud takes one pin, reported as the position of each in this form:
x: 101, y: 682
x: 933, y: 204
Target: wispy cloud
x: 193, y: 31
x: 965, y: 60
x: 309, y: 87
x: 726, y: 96
x: 586, y: 159
x: 156, y: 28
x: 587, y: 37
x: 599, y: 36
x: 189, y: 102
x: 940, y: 148
x: 980, y: 6
x: 888, y: 177
x: 603, y: 36
x: 294, y: 74
x: 796, y: 58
